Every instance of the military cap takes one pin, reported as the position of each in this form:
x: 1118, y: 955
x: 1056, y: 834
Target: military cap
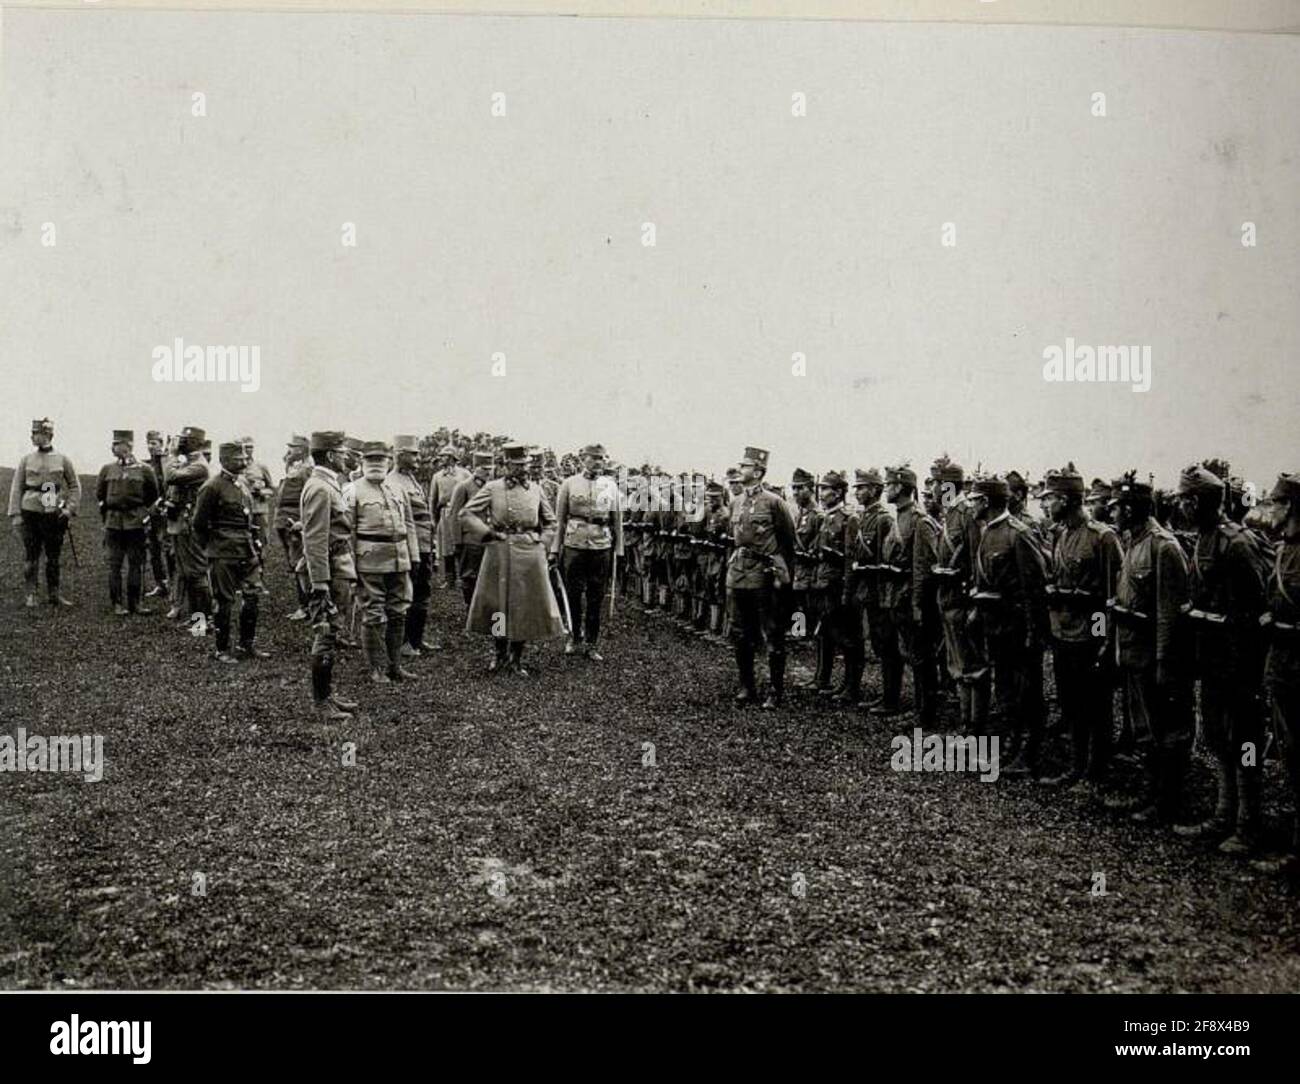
x: 1128, y: 486
x: 375, y: 449
x: 515, y: 453
x: 834, y: 480
x: 733, y: 474
x: 1065, y: 480
x: 194, y: 435
x: 1220, y: 468
x: 715, y: 488
x: 944, y: 469
x: 227, y: 448
x: 327, y: 440
x: 1016, y: 481
x: 755, y: 457
x: 902, y: 474
x: 405, y: 442
x: 868, y: 477
x: 352, y: 444
x: 297, y: 441
x: 451, y: 450
x: 594, y: 449
x: 1196, y: 479
x: 245, y: 440
x: 127, y: 435
x: 484, y: 459
x: 1287, y: 487
x: 1099, y: 490
x: 153, y: 434
x: 42, y: 425
x: 991, y: 485
x: 801, y: 477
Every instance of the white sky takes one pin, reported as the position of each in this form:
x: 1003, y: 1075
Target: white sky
x: 775, y: 234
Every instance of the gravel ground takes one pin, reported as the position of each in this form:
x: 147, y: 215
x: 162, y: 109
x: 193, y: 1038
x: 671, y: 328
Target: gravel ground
x: 509, y: 833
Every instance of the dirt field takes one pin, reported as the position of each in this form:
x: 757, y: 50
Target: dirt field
x: 512, y: 834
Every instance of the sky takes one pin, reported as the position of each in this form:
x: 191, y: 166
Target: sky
x: 798, y: 295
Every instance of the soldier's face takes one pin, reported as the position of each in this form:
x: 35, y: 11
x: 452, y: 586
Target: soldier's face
x: 1126, y: 515
x: 979, y: 505
x: 592, y: 463
x: 122, y: 449
x: 235, y: 462
x: 42, y: 437
x: 1054, y: 506
x: 517, y: 471
x: 155, y: 446
x: 406, y: 461
x: 803, y: 495
x: 374, y: 468
x: 749, y: 474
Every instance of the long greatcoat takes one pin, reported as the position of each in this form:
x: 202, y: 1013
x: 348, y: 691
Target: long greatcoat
x: 512, y: 581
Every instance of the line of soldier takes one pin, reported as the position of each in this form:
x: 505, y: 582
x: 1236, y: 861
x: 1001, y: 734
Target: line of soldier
x: 967, y: 590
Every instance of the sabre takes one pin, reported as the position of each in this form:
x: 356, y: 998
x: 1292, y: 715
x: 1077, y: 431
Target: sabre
x: 613, y: 586
x: 564, y: 598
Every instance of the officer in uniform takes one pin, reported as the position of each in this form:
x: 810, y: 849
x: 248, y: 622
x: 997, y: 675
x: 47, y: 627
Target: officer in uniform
x: 225, y: 526
x: 1010, y: 592
x: 1086, y: 558
x: 326, y: 568
x: 1097, y: 502
x: 1152, y: 649
x: 261, y: 487
x: 897, y: 559
x: 385, y: 546
x: 43, y: 498
x: 402, y: 476
x: 758, y: 578
x: 715, y: 542
x: 927, y: 625
x: 1227, y: 587
x: 297, y: 466
x: 807, y: 521
x: 468, y: 551
x: 875, y: 522
x: 125, y: 492
x: 954, y: 571
x: 441, y: 487
x: 161, y: 559
x: 184, y: 479
x: 513, y: 601
x: 1281, y: 624
x: 588, y: 538
x: 838, y: 621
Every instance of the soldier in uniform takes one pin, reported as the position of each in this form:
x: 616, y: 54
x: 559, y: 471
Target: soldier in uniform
x: 261, y: 487
x: 1085, y: 562
x: 1010, y: 592
x: 513, y: 601
x: 385, y: 547
x: 441, y: 486
x: 297, y: 466
x: 125, y: 492
x: 875, y: 522
x: 1227, y: 588
x: 717, y: 531
x: 225, y: 526
x: 402, y: 476
x: 1152, y: 650
x: 43, y: 498
x: 807, y: 521
x: 326, y: 568
x: 1097, y: 502
x: 588, y: 538
x: 758, y: 578
x: 838, y: 620
x: 469, y: 551
x: 927, y: 625
x: 1281, y: 624
x: 897, y: 559
x: 161, y: 559
x: 735, y: 487
x: 184, y: 479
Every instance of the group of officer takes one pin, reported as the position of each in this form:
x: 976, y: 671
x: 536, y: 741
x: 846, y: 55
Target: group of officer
x: 950, y: 577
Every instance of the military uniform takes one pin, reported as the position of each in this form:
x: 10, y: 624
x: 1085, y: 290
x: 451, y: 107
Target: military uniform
x: 954, y: 572
x: 417, y: 615
x: 588, y: 537
x: 1281, y: 624
x: 184, y: 479
x: 866, y: 583
x: 441, y: 486
x: 758, y: 582
x: 513, y: 599
x: 44, y: 496
x: 261, y: 488
x: 1227, y: 588
x: 223, y: 525
x: 125, y: 492
x: 468, y: 550
x: 714, y: 544
x: 807, y: 521
x: 385, y: 547
x: 326, y: 569
x: 838, y: 622
x: 162, y: 560
x: 1153, y: 652
x: 288, y: 528
x: 898, y: 571
x: 927, y: 624
x: 1010, y: 592
x: 1086, y: 558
